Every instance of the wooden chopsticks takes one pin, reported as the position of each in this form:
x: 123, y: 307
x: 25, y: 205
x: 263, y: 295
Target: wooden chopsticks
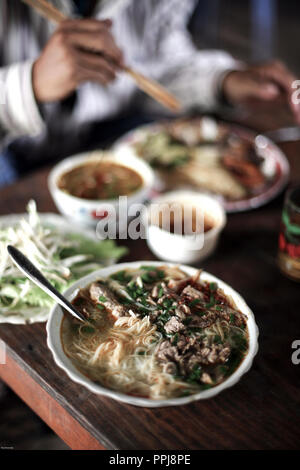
x: 155, y: 90
x: 47, y: 10
x: 151, y: 87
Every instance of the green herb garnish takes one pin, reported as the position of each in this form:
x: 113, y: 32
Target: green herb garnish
x: 240, y: 342
x: 175, y: 339
x: 194, y: 329
x: 213, y: 286
x: 205, y: 386
x: 194, y: 302
x: 200, y: 314
x: 217, y: 339
x: 211, y: 303
x: 88, y: 329
x: 186, y: 393
x: 167, y: 303
x: 149, y: 268
x: 164, y: 317
x: 195, y: 375
x: 121, y: 276
x: 160, y: 292
x: 152, y: 275
x: 125, y: 301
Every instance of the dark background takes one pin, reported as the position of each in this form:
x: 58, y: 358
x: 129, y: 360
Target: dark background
x: 251, y: 30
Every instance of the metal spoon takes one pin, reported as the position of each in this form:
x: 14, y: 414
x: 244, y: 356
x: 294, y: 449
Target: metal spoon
x: 284, y: 134
x: 37, y: 277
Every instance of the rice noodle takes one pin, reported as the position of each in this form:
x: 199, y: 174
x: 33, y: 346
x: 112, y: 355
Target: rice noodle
x: 222, y: 328
x: 122, y: 358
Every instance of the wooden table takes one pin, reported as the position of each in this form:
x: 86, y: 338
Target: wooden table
x: 261, y: 412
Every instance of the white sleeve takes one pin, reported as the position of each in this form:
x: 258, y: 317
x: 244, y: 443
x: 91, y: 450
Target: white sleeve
x: 19, y: 112
x: 194, y: 76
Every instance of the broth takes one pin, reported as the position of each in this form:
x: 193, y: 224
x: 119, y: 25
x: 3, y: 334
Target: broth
x: 181, y: 219
x: 100, y: 180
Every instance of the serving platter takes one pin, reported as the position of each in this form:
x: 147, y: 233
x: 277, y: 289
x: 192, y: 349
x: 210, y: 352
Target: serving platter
x: 274, y: 163
x: 49, y: 220
x: 55, y: 344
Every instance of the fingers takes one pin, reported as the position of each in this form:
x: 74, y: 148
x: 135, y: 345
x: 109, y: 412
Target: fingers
x: 242, y: 85
x: 91, y: 35
x: 268, y: 91
x: 98, y: 76
x: 92, y: 65
x: 277, y: 72
x: 102, y: 43
x: 67, y: 60
x: 86, y: 24
x: 256, y: 88
x: 280, y: 75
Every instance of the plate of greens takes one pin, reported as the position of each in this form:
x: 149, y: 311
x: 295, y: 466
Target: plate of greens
x: 64, y: 254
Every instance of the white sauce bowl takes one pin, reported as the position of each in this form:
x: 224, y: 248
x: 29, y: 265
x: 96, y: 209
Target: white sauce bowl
x: 86, y: 211
x: 185, y: 248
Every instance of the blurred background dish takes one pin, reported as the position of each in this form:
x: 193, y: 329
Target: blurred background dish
x: 201, y: 212
x: 87, y: 187
x: 244, y: 169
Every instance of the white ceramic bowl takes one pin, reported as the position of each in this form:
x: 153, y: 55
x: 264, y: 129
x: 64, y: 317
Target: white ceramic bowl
x: 89, y: 212
x: 185, y: 248
x: 55, y: 345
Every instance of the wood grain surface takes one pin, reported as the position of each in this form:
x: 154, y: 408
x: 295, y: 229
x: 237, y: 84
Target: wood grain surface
x: 261, y: 412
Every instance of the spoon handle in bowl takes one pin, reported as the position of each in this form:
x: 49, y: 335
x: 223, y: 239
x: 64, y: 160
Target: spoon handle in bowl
x: 37, y: 277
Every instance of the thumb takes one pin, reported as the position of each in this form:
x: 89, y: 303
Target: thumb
x: 107, y: 22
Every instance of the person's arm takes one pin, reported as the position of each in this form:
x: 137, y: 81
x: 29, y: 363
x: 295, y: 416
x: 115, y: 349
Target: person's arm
x: 194, y: 76
x: 264, y: 82
x: 19, y: 112
x: 197, y: 79
x: 78, y: 51
x: 202, y: 78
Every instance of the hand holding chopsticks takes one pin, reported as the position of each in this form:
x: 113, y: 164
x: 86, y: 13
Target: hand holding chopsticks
x: 151, y: 87
x: 67, y: 60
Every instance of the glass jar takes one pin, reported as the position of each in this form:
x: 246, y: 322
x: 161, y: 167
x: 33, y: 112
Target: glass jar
x: 289, y: 237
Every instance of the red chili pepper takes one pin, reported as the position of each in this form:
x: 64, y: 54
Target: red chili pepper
x: 293, y: 250
x: 282, y: 242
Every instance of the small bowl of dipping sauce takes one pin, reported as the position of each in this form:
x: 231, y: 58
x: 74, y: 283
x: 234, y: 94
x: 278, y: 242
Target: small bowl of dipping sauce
x: 183, y: 226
